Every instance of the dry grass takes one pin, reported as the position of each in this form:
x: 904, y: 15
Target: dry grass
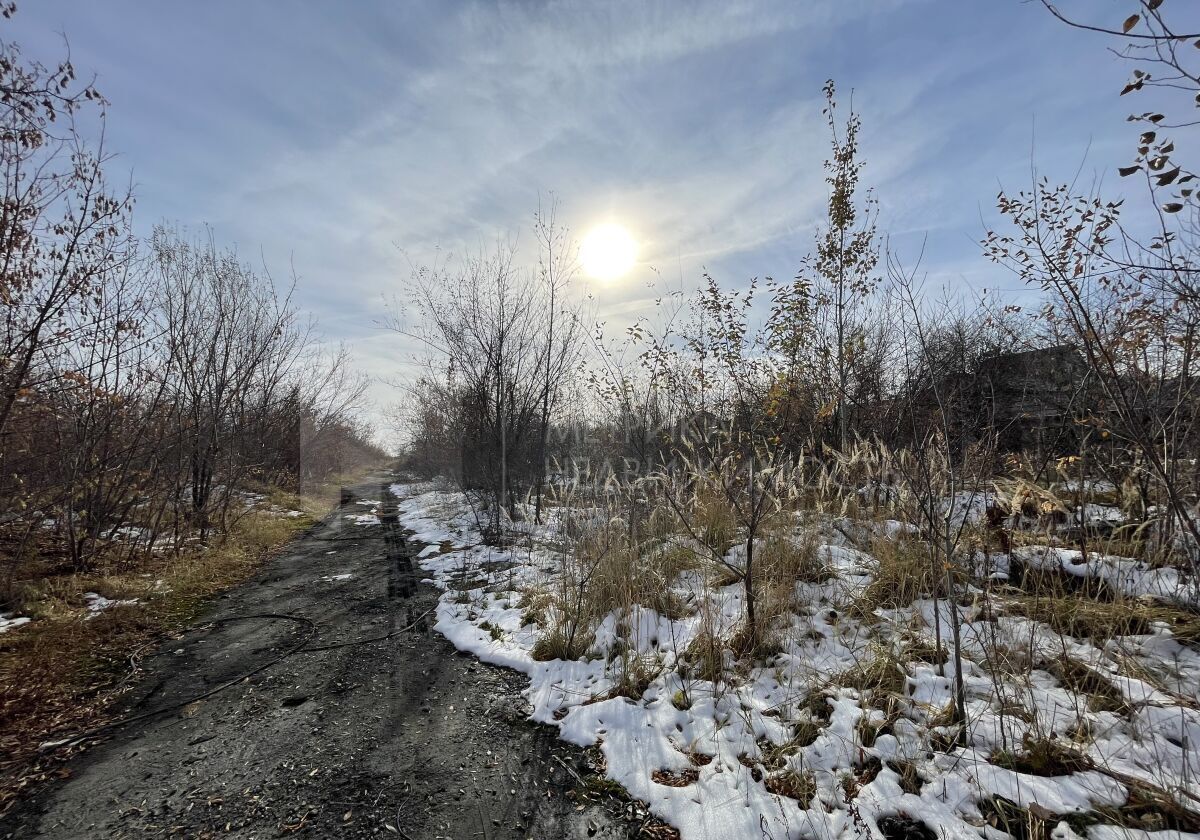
x: 1102, y: 695
x: 781, y: 562
x: 620, y: 574
x: 1042, y: 757
x: 1010, y: 818
x: 535, y: 603
x: 870, y: 728
x: 661, y: 524
x: 675, y: 778
x: 880, y: 677
x: 799, y: 786
x: 607, y: 569
x: 705, y: 657
x: 674, y: 557
x: 714, y: 523
x: 904, y: 573
x: 314, y: 498
x: 775, y: 756
x: 560, y: 643
x: 1086, y: 618
x: 637, y: 672
x: 910, y: 778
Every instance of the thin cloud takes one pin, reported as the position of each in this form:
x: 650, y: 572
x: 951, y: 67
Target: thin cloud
x: 332, y: 138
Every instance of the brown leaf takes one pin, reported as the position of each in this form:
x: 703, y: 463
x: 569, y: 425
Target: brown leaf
x: 1129, y: 170
x: 1173, y: 207
x: 1168, y: 177
x: 1130, y: 22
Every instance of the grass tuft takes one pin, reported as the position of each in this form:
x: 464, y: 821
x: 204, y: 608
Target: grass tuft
x: 705, y: 657
x: 1101, y: 694
x: 903, y: 574
x: 1085, y: 618
x: 1042, y: 757
x: 558, y: 644
x: 782, y: 561
x: 799, y: 786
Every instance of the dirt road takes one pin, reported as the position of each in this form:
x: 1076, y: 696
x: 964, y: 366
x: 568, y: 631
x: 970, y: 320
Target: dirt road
x: 399, y: 737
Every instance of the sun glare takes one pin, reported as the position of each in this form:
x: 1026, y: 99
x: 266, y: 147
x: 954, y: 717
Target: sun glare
x: 607, y: 252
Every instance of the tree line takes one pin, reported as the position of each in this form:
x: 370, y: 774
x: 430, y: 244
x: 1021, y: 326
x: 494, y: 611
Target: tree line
x: 145, y: 383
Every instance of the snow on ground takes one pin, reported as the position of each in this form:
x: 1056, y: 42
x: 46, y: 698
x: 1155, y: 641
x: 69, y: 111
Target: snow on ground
x: 97, y: 603
x: 1094, y: 515
x: 363, y: 518
x: 1093, y: 485
x: 8, y: 622
x: 701, y: 754
x: 968, y: 506
x: 1131, y: 577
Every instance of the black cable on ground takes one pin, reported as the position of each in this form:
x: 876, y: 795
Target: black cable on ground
x: 302, y: 647
x: 382, y: 638
x: 312, y: 629
x: 344, y: 539
x: 368, y: 535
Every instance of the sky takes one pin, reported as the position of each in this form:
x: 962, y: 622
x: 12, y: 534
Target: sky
x: 349, y: 142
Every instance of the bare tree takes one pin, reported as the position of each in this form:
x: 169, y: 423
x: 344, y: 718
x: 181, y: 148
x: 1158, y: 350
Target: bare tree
x: 835, y: 282
x: 726, y: 388
x: 231, y: 346
x: 501, y: 352
x: 62, y: 227
x: 949, y: 462
x: 556, y: 268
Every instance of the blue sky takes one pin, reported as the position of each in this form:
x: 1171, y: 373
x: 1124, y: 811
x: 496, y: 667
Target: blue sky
x: 348, y: 139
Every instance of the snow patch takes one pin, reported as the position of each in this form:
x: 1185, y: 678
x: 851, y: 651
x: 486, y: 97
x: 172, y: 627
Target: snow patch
x: 97, y: 603
x: 8, y: 622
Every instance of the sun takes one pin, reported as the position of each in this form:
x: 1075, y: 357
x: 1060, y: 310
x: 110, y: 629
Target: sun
x: 608, y: 252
